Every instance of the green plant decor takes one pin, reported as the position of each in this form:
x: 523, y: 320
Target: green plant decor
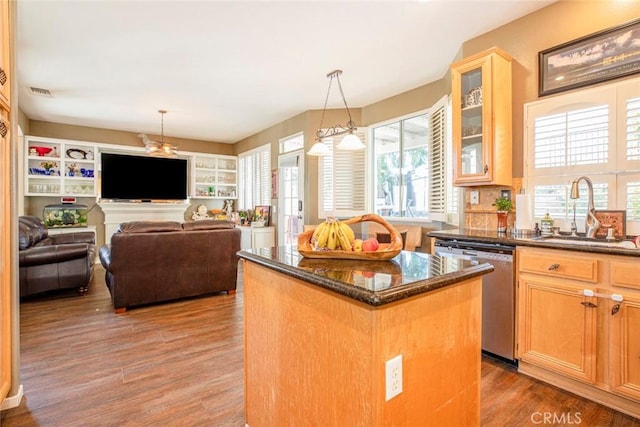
x: 503, y: 204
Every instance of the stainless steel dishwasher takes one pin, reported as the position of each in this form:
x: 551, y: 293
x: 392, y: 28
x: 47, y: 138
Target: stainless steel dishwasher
x: 498, y: 292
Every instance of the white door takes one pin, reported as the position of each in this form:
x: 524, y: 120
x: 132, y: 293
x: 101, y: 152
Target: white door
x: 290, y: 197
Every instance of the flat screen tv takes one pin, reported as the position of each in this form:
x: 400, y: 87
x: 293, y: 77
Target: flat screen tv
x: 127, y: 177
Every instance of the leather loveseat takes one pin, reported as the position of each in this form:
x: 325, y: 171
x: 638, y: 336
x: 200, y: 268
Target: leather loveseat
x: 155, y: 261
x: 47, y: 263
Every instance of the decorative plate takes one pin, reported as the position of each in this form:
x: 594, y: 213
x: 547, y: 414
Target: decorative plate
x: 386, y: 251
x: 76, y: 153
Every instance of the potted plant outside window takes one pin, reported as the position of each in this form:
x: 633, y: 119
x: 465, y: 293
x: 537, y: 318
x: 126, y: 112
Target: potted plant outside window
x: 504, y: 206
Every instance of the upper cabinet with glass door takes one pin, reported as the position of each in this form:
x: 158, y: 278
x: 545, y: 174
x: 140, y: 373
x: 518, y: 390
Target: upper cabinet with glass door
x: 481, y: 114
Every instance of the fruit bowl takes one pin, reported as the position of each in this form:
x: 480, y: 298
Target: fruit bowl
x: 385, y: 251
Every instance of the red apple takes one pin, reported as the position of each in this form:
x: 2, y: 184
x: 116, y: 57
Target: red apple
x: 370, y: 245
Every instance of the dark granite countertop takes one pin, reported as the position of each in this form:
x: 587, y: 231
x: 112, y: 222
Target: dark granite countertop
x: 493, y: 237
x: 372, y: 282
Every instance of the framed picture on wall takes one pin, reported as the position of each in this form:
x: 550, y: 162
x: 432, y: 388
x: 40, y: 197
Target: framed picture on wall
x: 598, y: 57
x: 263, y: 213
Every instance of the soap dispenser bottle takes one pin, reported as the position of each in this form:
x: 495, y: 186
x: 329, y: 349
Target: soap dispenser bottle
x: 546, y: 225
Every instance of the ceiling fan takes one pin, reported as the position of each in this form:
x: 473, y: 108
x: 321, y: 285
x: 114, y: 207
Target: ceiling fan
x: 159, y: 148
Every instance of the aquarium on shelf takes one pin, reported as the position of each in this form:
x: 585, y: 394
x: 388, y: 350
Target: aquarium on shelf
x: 65, y: 215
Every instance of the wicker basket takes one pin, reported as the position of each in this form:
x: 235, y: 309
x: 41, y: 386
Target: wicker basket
x: 386, y: 251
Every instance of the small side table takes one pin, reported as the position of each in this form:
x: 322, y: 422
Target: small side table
x: 256, y: 237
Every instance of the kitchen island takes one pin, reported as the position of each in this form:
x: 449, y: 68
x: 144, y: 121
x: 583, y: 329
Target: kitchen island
x: 319, y: 335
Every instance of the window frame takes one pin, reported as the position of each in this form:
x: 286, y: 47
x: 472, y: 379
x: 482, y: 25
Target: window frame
x: 263, y: 176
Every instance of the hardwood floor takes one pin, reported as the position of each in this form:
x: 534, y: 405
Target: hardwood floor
x: 181, y: 364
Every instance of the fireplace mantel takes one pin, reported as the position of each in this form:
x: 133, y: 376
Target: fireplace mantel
x: 116, y: 213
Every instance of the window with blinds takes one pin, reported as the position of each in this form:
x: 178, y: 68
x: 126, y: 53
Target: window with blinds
x: 410, y: 167
x: 254, y: 178
x: 594, y: 133
x: 342, y: 178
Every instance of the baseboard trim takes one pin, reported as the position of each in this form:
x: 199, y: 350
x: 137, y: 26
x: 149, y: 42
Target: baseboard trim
x: 12, y: 401
x: 587, y: 391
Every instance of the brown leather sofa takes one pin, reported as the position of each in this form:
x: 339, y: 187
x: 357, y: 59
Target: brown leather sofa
x: 155, y: 261
x: 47, y: 263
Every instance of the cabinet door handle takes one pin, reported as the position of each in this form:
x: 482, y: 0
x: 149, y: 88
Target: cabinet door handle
x: 486, y: 169
x: 3, y: 129
x: 615, y: 309
x: 3, y: 77
x: 553, y: 267
x: 588, y: 304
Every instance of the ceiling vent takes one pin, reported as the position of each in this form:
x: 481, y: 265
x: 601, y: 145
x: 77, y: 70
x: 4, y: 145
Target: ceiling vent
x: 41, y: 92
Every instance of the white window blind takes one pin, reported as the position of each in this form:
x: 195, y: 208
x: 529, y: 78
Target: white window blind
x: 437, y: 160
x: 555, y: 200
x: 577, y: 137
x: 453, y: 193
x: 633, y: 129
x: 633, y: 201
x: 342, y: 177
x: 254, y: 180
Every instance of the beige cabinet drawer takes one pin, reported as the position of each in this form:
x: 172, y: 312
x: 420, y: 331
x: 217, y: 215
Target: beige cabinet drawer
x: 556, y: 265
x: 625, y: 274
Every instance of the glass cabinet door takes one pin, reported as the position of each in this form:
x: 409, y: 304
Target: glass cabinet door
x: 481, y: 117
x: 472, y: 158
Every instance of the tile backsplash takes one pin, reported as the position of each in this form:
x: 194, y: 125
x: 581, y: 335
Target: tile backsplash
x: 483, y: 215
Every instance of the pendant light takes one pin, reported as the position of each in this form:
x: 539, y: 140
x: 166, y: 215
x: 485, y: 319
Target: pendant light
x: 350, y: 140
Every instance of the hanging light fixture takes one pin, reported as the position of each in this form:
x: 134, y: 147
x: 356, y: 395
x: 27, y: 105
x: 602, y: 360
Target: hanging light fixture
x: 350, y: 140
x: 160, y: 149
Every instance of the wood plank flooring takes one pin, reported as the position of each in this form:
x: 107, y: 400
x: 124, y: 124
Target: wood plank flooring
x: 181, y: 364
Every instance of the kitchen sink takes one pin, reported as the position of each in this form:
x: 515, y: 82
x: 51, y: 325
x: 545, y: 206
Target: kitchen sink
x: 621, y: 244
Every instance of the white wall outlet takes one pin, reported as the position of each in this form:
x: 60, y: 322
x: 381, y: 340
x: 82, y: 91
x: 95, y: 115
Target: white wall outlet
x: 393, y: 377
x: 474, y: 196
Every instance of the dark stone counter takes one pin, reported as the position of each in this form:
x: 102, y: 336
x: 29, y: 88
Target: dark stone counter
x: 372, y: 282
x: 493, y: 237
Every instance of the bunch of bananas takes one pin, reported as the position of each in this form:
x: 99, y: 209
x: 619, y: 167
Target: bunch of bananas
x: 333, y: 234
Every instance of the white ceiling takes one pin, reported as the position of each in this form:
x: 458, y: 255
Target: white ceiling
x: 225, y: 70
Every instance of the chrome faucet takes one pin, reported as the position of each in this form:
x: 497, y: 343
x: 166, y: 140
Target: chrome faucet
x: 591, y: 223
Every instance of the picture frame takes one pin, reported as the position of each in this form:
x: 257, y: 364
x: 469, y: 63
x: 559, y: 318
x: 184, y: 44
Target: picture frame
x: 274, y: 183
x: 598, y: 57
x: 612, y: 219
x: 263, y: 212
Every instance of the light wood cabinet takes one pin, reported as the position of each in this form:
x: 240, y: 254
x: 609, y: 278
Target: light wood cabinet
x: 559, y: 331
x: 578, y: 323
x: 481, y: 115
x: 624, y: 346
x: 5, y: 55
x: 7, y: 217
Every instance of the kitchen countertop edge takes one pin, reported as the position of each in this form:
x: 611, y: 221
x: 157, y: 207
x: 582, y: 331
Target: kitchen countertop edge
x: 373, y: 298
x: 471, y: 235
